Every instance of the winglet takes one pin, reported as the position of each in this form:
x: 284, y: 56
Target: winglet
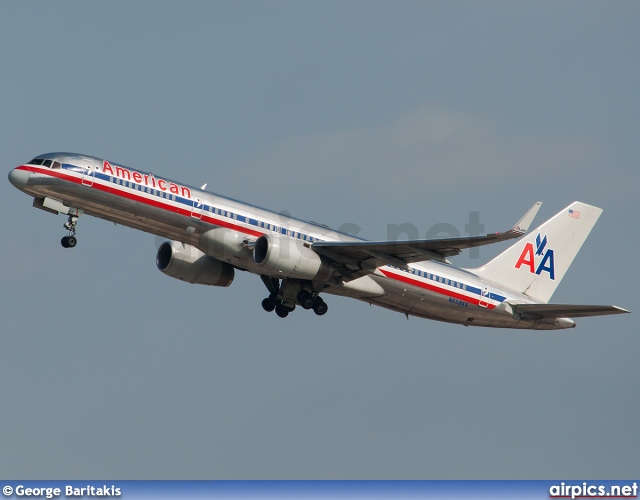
x: 522, y: 226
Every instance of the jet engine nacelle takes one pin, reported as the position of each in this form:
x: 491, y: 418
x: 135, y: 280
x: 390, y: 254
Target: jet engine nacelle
x: 285, y: 257
x: 187, y: 263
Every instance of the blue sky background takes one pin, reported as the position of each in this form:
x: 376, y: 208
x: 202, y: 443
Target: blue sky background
x: 367, y: 113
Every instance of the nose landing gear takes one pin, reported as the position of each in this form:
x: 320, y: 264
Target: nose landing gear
x: 70, y: 241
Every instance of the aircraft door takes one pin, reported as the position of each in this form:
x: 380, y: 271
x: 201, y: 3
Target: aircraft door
x: 88, y: 174
x: 485, y: 293
x: 196, y: 209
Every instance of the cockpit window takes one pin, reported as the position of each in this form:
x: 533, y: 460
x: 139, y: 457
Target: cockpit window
x: 45, y: 163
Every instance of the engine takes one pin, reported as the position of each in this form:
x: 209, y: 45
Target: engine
x: 285, y: 257
x: 189, y: 264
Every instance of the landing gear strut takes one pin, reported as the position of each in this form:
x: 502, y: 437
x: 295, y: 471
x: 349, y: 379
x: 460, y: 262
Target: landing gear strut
x: 282, y: 298
x: 70, y: 241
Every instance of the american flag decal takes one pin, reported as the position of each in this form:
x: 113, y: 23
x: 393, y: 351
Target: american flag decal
x: 574, y: 213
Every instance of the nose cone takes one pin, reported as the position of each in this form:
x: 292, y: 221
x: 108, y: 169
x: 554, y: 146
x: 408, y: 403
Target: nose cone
x: 19, y: 178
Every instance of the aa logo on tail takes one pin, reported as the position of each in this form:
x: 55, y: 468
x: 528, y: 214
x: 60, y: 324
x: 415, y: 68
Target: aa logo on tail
x: 544, y: 258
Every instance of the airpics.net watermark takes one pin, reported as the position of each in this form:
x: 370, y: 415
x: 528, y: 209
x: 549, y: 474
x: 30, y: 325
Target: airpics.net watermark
x: 396, y: 232
x: 68, y: 491
x: 409, y: 232
x: 587, y: 490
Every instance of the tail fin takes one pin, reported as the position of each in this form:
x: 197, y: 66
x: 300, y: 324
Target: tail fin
x: 536, y: 264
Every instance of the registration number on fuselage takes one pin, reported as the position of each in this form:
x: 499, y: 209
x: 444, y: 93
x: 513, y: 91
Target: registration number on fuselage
x: 458, y: 302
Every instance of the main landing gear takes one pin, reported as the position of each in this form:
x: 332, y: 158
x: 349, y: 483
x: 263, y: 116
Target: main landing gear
x: 272, y: 303
x: 309, y: 301
x: 70, y: 241
x: 280, y: 300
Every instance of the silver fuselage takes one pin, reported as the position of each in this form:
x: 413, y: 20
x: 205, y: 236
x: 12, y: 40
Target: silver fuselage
x: 172, y: 210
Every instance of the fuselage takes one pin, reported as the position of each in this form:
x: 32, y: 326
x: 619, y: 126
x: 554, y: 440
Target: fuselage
x: 155, y: 204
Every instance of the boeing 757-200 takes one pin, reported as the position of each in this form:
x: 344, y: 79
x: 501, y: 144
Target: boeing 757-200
x: 210, y: 236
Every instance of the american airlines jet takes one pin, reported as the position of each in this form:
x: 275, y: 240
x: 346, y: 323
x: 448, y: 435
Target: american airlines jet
x: 210, y: 236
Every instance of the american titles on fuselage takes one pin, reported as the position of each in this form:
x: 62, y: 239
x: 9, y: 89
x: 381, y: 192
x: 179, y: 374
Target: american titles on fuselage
x: 148, y: 180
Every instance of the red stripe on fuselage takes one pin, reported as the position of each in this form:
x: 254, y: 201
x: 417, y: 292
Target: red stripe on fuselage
x: 433, y: 288
x: 140, y: 199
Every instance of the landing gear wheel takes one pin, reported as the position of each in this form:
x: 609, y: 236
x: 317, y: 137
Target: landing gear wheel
x: 282, y: 311
x: 305, y: 299
x: 269, y: 304
x: 70, y: 241
x: 320, y: 307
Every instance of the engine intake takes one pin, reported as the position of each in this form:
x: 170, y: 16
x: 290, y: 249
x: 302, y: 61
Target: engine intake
x: 187, y: 263
x: 286, y: 257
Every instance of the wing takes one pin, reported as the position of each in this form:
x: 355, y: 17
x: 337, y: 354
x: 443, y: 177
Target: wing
x: 565, y: 310
x: 371, y: 254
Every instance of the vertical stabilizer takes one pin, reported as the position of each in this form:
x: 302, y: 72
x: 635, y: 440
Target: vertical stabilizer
x: 536, y: 264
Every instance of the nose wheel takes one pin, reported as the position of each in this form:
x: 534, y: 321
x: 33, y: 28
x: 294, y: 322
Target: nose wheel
x: 70, y: 241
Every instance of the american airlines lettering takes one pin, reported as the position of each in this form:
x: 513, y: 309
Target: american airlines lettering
x: 147, y: 179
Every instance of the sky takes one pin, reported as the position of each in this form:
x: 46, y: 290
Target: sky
x: 358, y: 114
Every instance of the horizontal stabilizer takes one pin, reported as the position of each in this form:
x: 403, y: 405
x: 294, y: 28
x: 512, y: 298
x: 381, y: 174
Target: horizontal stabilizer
x: 565, y: 310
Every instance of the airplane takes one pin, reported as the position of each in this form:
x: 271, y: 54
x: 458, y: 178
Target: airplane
x: 209, y: 237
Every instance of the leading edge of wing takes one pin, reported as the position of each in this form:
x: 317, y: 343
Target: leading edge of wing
x: 399, y: 253
x: 565, y: 310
